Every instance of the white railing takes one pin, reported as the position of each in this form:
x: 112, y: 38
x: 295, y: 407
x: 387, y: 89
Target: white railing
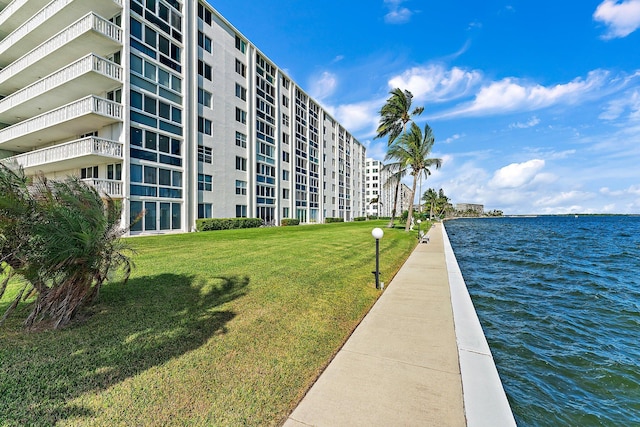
x: 36, y: 20
x: 82, y: 66
x: 88, y: 105
x: 89, y: 22
x: 69, y: 150
x: 106, y: 186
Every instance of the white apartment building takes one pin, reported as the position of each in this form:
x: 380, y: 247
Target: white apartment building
x: 164, y: 105
x: 380, y: 191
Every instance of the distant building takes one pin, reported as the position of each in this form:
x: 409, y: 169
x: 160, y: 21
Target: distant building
x: 380, y: 191
x: 470, y: 207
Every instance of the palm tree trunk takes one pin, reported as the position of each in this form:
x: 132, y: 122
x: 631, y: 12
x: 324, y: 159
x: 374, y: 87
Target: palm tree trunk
x: 413, y: 194
x: 395, y: 206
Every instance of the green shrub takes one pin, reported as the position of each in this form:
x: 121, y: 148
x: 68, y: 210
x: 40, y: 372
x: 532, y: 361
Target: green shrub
x: 330, y: 219
x: 289, y: 221
x: 360, y: 218
x: 209, y: 224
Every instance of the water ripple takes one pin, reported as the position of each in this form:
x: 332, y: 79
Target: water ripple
x: 559, y: 300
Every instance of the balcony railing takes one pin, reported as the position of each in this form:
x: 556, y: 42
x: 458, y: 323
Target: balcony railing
x: 90, y: 146
x: 89, y: 22
x: 90, y: 63
x: 106, y: 186
x: 43, y: 17
x: 82, y: 107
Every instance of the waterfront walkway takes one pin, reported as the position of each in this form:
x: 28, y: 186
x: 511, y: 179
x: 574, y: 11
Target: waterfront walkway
x: 400, y: 367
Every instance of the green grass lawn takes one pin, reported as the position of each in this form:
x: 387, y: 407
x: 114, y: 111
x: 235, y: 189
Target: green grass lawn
x: 215, y: 328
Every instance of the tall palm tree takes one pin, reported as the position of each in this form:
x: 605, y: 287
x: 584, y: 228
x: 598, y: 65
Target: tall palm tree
x: 394, y: 116
x: 413, y: 149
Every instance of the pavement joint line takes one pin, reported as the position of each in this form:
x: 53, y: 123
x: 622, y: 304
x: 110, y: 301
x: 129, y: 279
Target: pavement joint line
x: 482, y: 353
x: 401, y: 362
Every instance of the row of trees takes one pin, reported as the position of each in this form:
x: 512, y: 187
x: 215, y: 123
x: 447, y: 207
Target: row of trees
x: 408, y: 146
x: 63, y: 242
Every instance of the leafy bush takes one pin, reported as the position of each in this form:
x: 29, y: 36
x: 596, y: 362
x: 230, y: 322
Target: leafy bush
x: 289, y: 221
x: 330, y: 219
x: 62, y: 238
x: 360, y: 218
x: 210, y: 224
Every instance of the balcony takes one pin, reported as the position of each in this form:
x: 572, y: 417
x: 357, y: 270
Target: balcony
x: 19, y: 11
x: 90, y: 74
x: 89, y: 34
x: 107, y: 187
x: 49, y: 20
x: 70, y: 155
x: 79, y: 117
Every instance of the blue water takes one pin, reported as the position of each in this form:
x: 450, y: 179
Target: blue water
x: 559, y: 301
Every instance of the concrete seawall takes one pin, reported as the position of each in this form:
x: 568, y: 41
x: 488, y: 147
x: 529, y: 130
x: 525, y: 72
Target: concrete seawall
x: 485, y: 401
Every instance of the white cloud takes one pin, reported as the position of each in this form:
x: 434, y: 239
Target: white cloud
x: 436, y: 83
x: 629, y: 103
x: 516, y: 174
x: 621, y: 17
x: 362, y: 116
x: 563, y: 198
x: 533, y: 121
x: 510, y: 95
x: 323, y: 86
x: 397, y: 14
x: 452, y: 138
x: 633, y: 190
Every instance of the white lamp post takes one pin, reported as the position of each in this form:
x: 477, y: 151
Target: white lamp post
x: 377, y: 234
x: 419, y: 222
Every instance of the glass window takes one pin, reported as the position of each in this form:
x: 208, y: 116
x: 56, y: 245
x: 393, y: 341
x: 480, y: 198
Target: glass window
x: 136, y: 136
x: 136, y: 29
x: 175, y: 146
x: 136, y: 100
x: 150, y: 216
x: 136, y: 64
x: 177, y: 178
x: 150, y: 175
x: 135, y: 208
x: 163, y: 143
x: 165, y: 216
x: 136, y: 174
x: 176, y: 83
x: 204, y: 210
x: 164, y: 177
x: 175, y: 216
x: 164, y: 110
x: 149, y: 104
x: 163, y: 77
x: 150, y: 37
x: 150, y: 140
x: 163, y: 45
x: 150, y: 71
x: 176, y: 115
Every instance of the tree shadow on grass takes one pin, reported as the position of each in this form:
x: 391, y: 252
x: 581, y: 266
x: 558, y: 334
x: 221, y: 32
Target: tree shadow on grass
x: 133, y: 327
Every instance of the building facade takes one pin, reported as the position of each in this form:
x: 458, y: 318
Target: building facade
x: 380, y: 191
x: 164, y: 105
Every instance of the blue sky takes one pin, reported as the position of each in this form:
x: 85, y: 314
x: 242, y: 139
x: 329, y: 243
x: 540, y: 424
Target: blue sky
x: 535, y: 105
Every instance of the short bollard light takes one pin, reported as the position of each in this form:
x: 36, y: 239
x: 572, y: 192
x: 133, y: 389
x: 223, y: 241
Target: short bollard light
x: 377, y: 234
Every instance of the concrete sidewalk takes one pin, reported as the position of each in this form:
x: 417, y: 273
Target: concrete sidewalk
x: 400, y: 367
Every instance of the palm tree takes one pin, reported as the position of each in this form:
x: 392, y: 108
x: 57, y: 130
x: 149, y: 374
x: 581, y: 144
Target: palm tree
x: 412, y: 149
x: 431, y: 197
x: 394, y: 116
x: 63, y: 239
